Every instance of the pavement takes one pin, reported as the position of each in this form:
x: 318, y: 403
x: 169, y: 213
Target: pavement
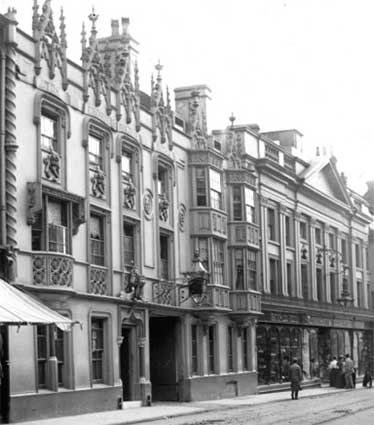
x: 165, y: 410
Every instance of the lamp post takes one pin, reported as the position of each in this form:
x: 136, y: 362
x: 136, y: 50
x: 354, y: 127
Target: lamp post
x: 345, y: 296
x: 197, y: 279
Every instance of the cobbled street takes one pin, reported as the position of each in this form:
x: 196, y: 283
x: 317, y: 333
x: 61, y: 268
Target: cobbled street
x: 345, y: 408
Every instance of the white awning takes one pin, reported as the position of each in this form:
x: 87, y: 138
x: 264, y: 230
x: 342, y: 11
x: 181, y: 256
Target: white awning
x: 19, y: 308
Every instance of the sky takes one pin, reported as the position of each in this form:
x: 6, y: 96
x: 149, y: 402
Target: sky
x: 304, y: 64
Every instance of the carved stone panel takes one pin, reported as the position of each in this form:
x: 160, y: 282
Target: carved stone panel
x: 163, y: 293
x: 52, y: 270
x: 98, y: 281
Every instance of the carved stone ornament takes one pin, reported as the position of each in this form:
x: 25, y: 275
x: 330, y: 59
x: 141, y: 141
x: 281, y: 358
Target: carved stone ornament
x: 182, y: 217
x: 97, y: 69
x: 52, y: 166
x: 98, y: 183
x: 34, y: 201
x: 198, y: 130
x: 233, y: 149
x: 48, y: 45
x: 162, y: 114
x: 98, y: 281
x: 52, y: 270
x: 163, y: 205
x: 148, y: 204
x: 129, y: 192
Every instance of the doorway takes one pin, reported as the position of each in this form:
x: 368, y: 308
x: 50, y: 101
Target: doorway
x: 127, y: 362
x: 4, y: 378
x: 163, y: 359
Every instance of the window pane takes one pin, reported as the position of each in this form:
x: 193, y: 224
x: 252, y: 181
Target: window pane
x: 237, y: 203
x: 211, y: 367
x: 97, y: 240
x: 128, y: 243
x: 239, y: 269
x: 252, y: 270
x: 218, y: 262
x: 194, y: 364
x: 126, y: 164
x: 48, y: 130
x: 203, y: 251
x: 215, y: 180
x: 95, y: 154
x: 201, y: 196
x: 164, y: 257
x: 42, y: 354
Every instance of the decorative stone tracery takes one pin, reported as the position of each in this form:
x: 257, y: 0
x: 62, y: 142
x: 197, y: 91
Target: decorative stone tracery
x: 48, y: 45
x: 162, y: 114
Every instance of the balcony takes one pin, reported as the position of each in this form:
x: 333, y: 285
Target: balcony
x: 52, y: 269
x: 245, y: 301
x: 208, y: 222
x: 244, y: 233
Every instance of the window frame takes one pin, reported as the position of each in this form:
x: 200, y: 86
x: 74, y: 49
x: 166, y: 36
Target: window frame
x: 215, y: 195
x: 274, y: 276
x: 102, y: 223
x: 272, y: 218
x: 218, y: 261
x: 211, y: 349
x: 103, y: 358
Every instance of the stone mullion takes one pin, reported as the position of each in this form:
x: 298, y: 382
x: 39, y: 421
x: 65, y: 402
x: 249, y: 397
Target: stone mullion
x: 252, y: 346
x: 352, y: 272
x: 339, y: 265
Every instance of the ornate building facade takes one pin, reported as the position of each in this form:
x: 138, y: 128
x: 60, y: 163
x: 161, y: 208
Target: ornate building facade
x: 105, y: 226
x: 122, y: 213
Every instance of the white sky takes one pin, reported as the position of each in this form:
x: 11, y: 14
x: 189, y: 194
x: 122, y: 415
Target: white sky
x: 304, y: 64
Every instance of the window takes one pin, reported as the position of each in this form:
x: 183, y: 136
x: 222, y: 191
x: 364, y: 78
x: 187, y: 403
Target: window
x: 218, y: 262
x: 200, y: 177
x: 305, y: 280
x: 318, y: 235
x: 245, y: 348
x: 217, y: 145
x: 272, y: 230
x: 319, y: 279
x: 250, y: 205
x: 97, y: 350
x: 252, y: 270
x: 289, y: 231
x: 162, y: 183
x: 359, y: 294
x: 48, y: 132
x: 97, y: 242
x: 95, y: 153
x: 333, y: 288
x: 128, y: 243
x: 51, y: 230
x: 164, y: 257
x: 211, y: 349
x: 50, y: 343
x: 230, y: 349
x: 239, y: 268
x: 344, y: 251
x: 126, y: 166
x: 237, y: 203
x: 202, y: 245
x: 331, y: 241
x: 303, y: 230
x: 215, y: 189
x: 289, y: 279
x: 194, y: 362
x: 358, y: 255
x: 274, y: 276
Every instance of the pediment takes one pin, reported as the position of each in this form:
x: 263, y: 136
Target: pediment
x: 323, y: 176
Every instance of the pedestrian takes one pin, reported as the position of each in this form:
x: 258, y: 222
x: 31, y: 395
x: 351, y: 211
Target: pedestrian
x: 333, y: 370
x: 367, y: 380
x: 295, y: 376
x: 340, y: 381
x: 348, y: 371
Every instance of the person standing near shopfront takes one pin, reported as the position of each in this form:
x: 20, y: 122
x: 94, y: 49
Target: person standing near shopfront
x: 333, y: 369
x: 295, y: 376
x: 348, y: 371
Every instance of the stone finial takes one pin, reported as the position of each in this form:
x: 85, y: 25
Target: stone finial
x: 125, y: 25
x: 232, y: 119
x: 115, y: 27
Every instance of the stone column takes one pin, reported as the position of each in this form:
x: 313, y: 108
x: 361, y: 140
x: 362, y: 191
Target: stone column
x: 252, y: 345
x: 365, y: 282
x: 312, y: 258
x: 326, y: 264
x: 282, y: 248
x: 264, y: 243
x: 298, y: 283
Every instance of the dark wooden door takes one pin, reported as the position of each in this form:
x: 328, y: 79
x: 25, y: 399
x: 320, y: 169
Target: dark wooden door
x: 163, y: 359
x: 126, y: 363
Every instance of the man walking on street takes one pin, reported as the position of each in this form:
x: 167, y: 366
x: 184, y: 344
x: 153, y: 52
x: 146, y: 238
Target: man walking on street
x: 348, y: 371
x: 295, y: 376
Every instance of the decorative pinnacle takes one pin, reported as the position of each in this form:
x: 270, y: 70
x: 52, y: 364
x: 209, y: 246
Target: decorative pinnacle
x: 232, y: 119
x: 158, y: 68
x: 93, y: 18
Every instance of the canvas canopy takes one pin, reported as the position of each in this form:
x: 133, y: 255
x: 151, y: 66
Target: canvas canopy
x: 19, y: 308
